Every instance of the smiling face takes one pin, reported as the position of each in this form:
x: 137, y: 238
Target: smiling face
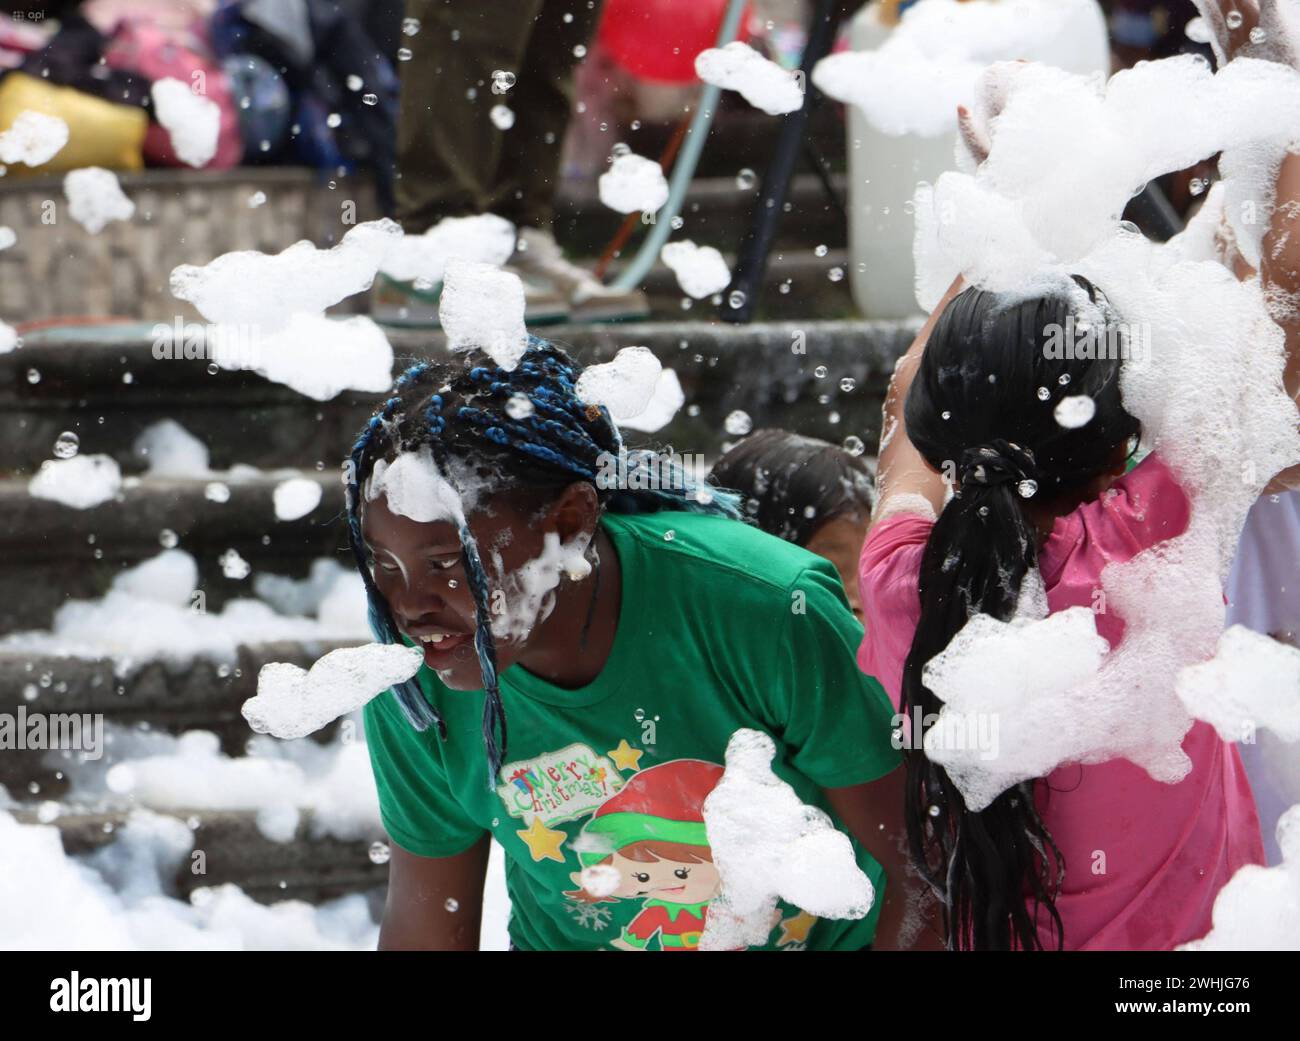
x: 686, y: 881
x: 419, y: 571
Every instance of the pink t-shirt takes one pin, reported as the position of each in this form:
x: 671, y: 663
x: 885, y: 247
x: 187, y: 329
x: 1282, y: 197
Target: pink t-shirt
x: 1168, y: 848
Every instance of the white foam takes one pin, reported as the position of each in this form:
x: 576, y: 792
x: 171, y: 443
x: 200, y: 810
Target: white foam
x: 931, y: 63
x: 485, y: 238
x: 296, y: 498
x: 80, y: 482
x: 34, y: 138
x: 192, y: 121
x: 1259, y: 908
x: 482, y: 307
x: 252, y: 289
x: 760, y: 81
x: 701, y: 270
x: 95, y: 198
x: 292, y: 702
x: 625, y: 385
x: 767, y: 846
x: 172, y: 451
x: 1252, y: 683
x: 414, y: 487
x: 665, y: 402
x: 633, y: 184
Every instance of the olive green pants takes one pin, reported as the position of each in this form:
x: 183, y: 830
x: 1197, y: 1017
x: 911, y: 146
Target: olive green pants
x: 452, y: 159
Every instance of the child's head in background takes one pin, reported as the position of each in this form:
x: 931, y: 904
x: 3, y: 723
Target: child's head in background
x: 809, y: 492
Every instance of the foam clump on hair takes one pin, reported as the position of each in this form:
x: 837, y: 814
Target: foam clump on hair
x: 760, y: 81
x: 1201, y: 364
x: 914, y: 81
x: 95, y: 198
x: 768, y: 845
x: 987, y: 737
x: 633, y: 184
x: 625, y: 385
x: 701, y: 270
x: 1259, y: 908
x: 414, y: 487
x: 1252, y: 682
x: 482, y: 308
x: 292, y: 702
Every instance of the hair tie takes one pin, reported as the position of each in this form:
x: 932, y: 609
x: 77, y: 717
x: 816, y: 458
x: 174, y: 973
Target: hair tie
x: 1000, y: 462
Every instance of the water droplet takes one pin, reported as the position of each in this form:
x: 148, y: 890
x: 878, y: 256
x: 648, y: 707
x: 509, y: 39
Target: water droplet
x: 33, y: 375
x: 333, y: 120
x: 1197, y: 186
x: 746, y: 179
x: 217, y: 492
x: 366, y: 99
x: 935, y: 811
x: 945, y: 414
x: 379, y: 853
x: 847, y: 384
x: 820, y: 372
x: 821, y: 251
x: 1027, y: 488
x: 213, y: 368
x: 1257, y: 34
x: 854, y: 445
x: 502, y: 81
x: 1234, y: 19
x: 738, y: 423
x: 410, y: 26
x: 127, y: 378
x: 983, y: 511
x: 677, y: 223
x: 580, y: 51
x: 669, y: 535
x: 452, y: 583
x: 66, y: 445
x: 835, y: 274
x: 452, y: 904
x: 1044, y: 393
x: 168, y: 538
x: 354, y: 82
x: 1064, y: 379
x: 639, y: 715
x: 403, y: 53
x: 736, y: 299
x: 703, y: 496
x: 502, y: 117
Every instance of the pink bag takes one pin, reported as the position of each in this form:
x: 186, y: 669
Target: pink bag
x: 154, y: 52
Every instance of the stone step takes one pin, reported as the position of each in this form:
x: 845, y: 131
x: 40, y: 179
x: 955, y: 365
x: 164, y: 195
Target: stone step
x: 243, y: 418
x: 311, y: 867
x: 57, y: 269
x: 54, y: 553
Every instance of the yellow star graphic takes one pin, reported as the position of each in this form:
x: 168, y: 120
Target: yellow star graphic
x: 795, y: 930
x: 543, y: 842
x: 625, y: 756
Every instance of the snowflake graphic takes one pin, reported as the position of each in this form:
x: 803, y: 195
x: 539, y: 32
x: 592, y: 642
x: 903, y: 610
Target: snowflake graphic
x: 590, y: 916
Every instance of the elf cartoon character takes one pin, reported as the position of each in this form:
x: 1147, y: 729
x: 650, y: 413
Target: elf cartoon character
x: 648, y: 843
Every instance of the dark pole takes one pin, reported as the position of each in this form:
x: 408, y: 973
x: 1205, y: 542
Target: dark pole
x: 756, y: 244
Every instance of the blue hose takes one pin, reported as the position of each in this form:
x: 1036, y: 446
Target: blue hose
x: 684, y: 169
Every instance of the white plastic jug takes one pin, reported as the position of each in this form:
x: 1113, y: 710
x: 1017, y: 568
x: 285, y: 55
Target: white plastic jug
x: 884, y: 170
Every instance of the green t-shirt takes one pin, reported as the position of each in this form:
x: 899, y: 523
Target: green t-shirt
x: 720, y: 627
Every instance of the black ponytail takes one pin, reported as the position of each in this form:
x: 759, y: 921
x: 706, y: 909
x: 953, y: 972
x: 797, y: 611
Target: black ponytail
x: 982, y: 410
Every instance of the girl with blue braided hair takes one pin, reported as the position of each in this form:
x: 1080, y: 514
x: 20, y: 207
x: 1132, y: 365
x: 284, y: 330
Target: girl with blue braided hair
x: 576, y: 632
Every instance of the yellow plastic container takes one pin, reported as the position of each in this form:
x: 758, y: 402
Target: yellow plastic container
x: 100, y: 133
